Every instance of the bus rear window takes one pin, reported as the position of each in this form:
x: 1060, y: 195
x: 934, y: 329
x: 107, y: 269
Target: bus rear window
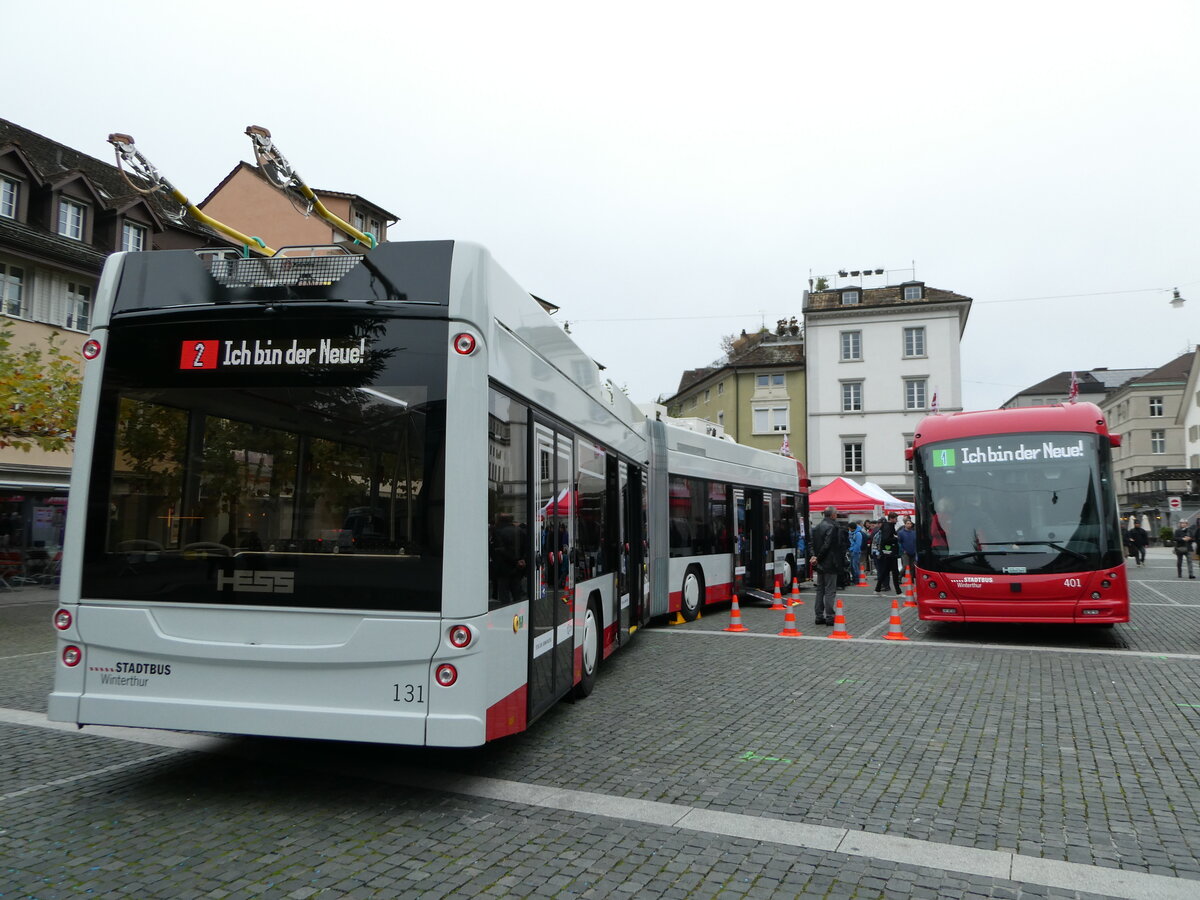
x: 285, y: 496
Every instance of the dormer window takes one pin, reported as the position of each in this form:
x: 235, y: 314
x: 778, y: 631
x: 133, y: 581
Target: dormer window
x: 10, y: 196
x: 71, y: 218
x: 851, y: 298
x: 913, y: 291
x: 133, y: 237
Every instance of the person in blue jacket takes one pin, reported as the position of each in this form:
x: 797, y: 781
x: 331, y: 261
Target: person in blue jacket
x: 856, y: 546
x: 907, y: 536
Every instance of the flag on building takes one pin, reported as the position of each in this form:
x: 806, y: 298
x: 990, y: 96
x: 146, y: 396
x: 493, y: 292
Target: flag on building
x: 933, y: 404
x: 1074, y: 388
x: 785, y: 448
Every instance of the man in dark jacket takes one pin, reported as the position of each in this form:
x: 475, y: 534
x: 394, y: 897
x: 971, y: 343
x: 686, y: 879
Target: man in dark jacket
x: 1138, y: 541
x: 826, y: 560
x: 1183, y: 549
x: 889, y: 552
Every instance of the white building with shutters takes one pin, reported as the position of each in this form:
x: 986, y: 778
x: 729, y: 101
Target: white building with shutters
x: 876, y: 359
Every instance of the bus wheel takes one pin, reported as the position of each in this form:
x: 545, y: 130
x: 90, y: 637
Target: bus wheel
x: 591, y: 650
x: 692, y: 595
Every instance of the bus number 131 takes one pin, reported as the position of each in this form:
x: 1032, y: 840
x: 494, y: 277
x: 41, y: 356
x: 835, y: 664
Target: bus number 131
x: 408, y: 693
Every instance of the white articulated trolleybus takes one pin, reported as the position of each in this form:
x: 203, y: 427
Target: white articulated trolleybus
x: 375, y: 496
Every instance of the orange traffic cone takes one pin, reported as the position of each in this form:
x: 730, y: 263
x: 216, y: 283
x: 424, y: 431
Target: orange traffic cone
x: 862, y: 578
x: 735, y: 617
x: 777, y: 603
x: 908, y: 596
x: 894, y: 632
x: 839, y: 623
x: 795, y: 600
x: 789, y: 625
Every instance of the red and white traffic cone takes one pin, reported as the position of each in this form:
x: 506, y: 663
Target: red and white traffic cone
x: 795, y: 600
x: 909, y: 599
x: 894, y: 632
x: 735, y: 617
x: 777, y: 603
x: 839, y: 623
x: 789, y: 625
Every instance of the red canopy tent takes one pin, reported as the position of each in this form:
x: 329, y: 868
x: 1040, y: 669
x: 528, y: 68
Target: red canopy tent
x: 845, y: 496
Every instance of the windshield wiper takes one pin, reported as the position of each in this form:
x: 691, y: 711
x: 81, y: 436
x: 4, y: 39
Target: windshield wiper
x: 1059, y: 547
x: 957, y: 556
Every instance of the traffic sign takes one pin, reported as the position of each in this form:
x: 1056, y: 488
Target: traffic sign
x: 1175, y: 503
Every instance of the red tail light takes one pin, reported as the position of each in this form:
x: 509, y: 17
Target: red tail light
x: 446, y: 675
x: 71, y: 656
x: 62, y: 620
x: 460, y: 636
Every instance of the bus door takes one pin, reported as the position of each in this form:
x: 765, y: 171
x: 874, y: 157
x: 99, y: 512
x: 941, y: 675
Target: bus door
x: 551, y: 617
x: 630, y: 582
x: 757, y: 541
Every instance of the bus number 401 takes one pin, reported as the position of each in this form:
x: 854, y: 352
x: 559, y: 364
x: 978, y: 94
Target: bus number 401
x: 408, y: 693
x: 1073, y: 582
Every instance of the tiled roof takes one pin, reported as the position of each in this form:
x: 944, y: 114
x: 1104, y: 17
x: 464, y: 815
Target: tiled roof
x: 1177, y: 369
x: 769, y: 352
x: 40, y: 243
x: 1094, y: 381
x: 52, y: 160
x: 874, y: 298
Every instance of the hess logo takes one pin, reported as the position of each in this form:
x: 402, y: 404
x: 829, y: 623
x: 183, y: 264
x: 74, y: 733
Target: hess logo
x: 260, y: 582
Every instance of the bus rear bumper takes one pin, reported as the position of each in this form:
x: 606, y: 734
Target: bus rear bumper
x: 1088, y: 612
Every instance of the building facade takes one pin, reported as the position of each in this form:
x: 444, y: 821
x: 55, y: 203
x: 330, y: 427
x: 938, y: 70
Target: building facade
x: 62, y: 213
x: 757, y: 396
x: 1145, y: 412
x: 877, y: 358
x: 246, y: 200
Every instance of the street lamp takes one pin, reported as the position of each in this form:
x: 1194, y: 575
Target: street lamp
x: 1177, y: 301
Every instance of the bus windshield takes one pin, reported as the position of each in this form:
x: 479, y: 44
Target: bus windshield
x: 1015, y: 504
x: 327, y: 492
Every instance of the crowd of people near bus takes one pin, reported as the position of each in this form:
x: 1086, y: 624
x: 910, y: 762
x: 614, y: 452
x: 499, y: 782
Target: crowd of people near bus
x: 845, y: 550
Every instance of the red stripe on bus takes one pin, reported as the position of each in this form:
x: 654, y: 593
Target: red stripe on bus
x: 610, y: 640
x: 507, y: 716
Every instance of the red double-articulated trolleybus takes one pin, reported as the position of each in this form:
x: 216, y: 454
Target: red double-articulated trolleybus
x: 1017, y: 517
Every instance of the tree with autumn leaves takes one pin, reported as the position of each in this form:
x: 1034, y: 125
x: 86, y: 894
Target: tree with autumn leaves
x: 39, y: 394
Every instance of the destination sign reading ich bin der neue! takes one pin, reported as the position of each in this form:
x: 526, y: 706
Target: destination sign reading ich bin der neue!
x: 999, y: 452
x: 313, y: 352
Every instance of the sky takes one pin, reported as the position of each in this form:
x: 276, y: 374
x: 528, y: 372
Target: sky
x: 668, y: 173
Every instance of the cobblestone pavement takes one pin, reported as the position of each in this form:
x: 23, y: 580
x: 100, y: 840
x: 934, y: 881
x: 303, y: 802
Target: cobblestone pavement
x: 1054, y: 746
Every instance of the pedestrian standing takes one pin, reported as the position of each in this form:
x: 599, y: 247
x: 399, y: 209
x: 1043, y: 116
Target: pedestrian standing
x: 889, y: 552
x: 1183, y: 549
x: 856, y: 546
x: 1138, y: 541
x: 907, y: 536
x: 826, y: 561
